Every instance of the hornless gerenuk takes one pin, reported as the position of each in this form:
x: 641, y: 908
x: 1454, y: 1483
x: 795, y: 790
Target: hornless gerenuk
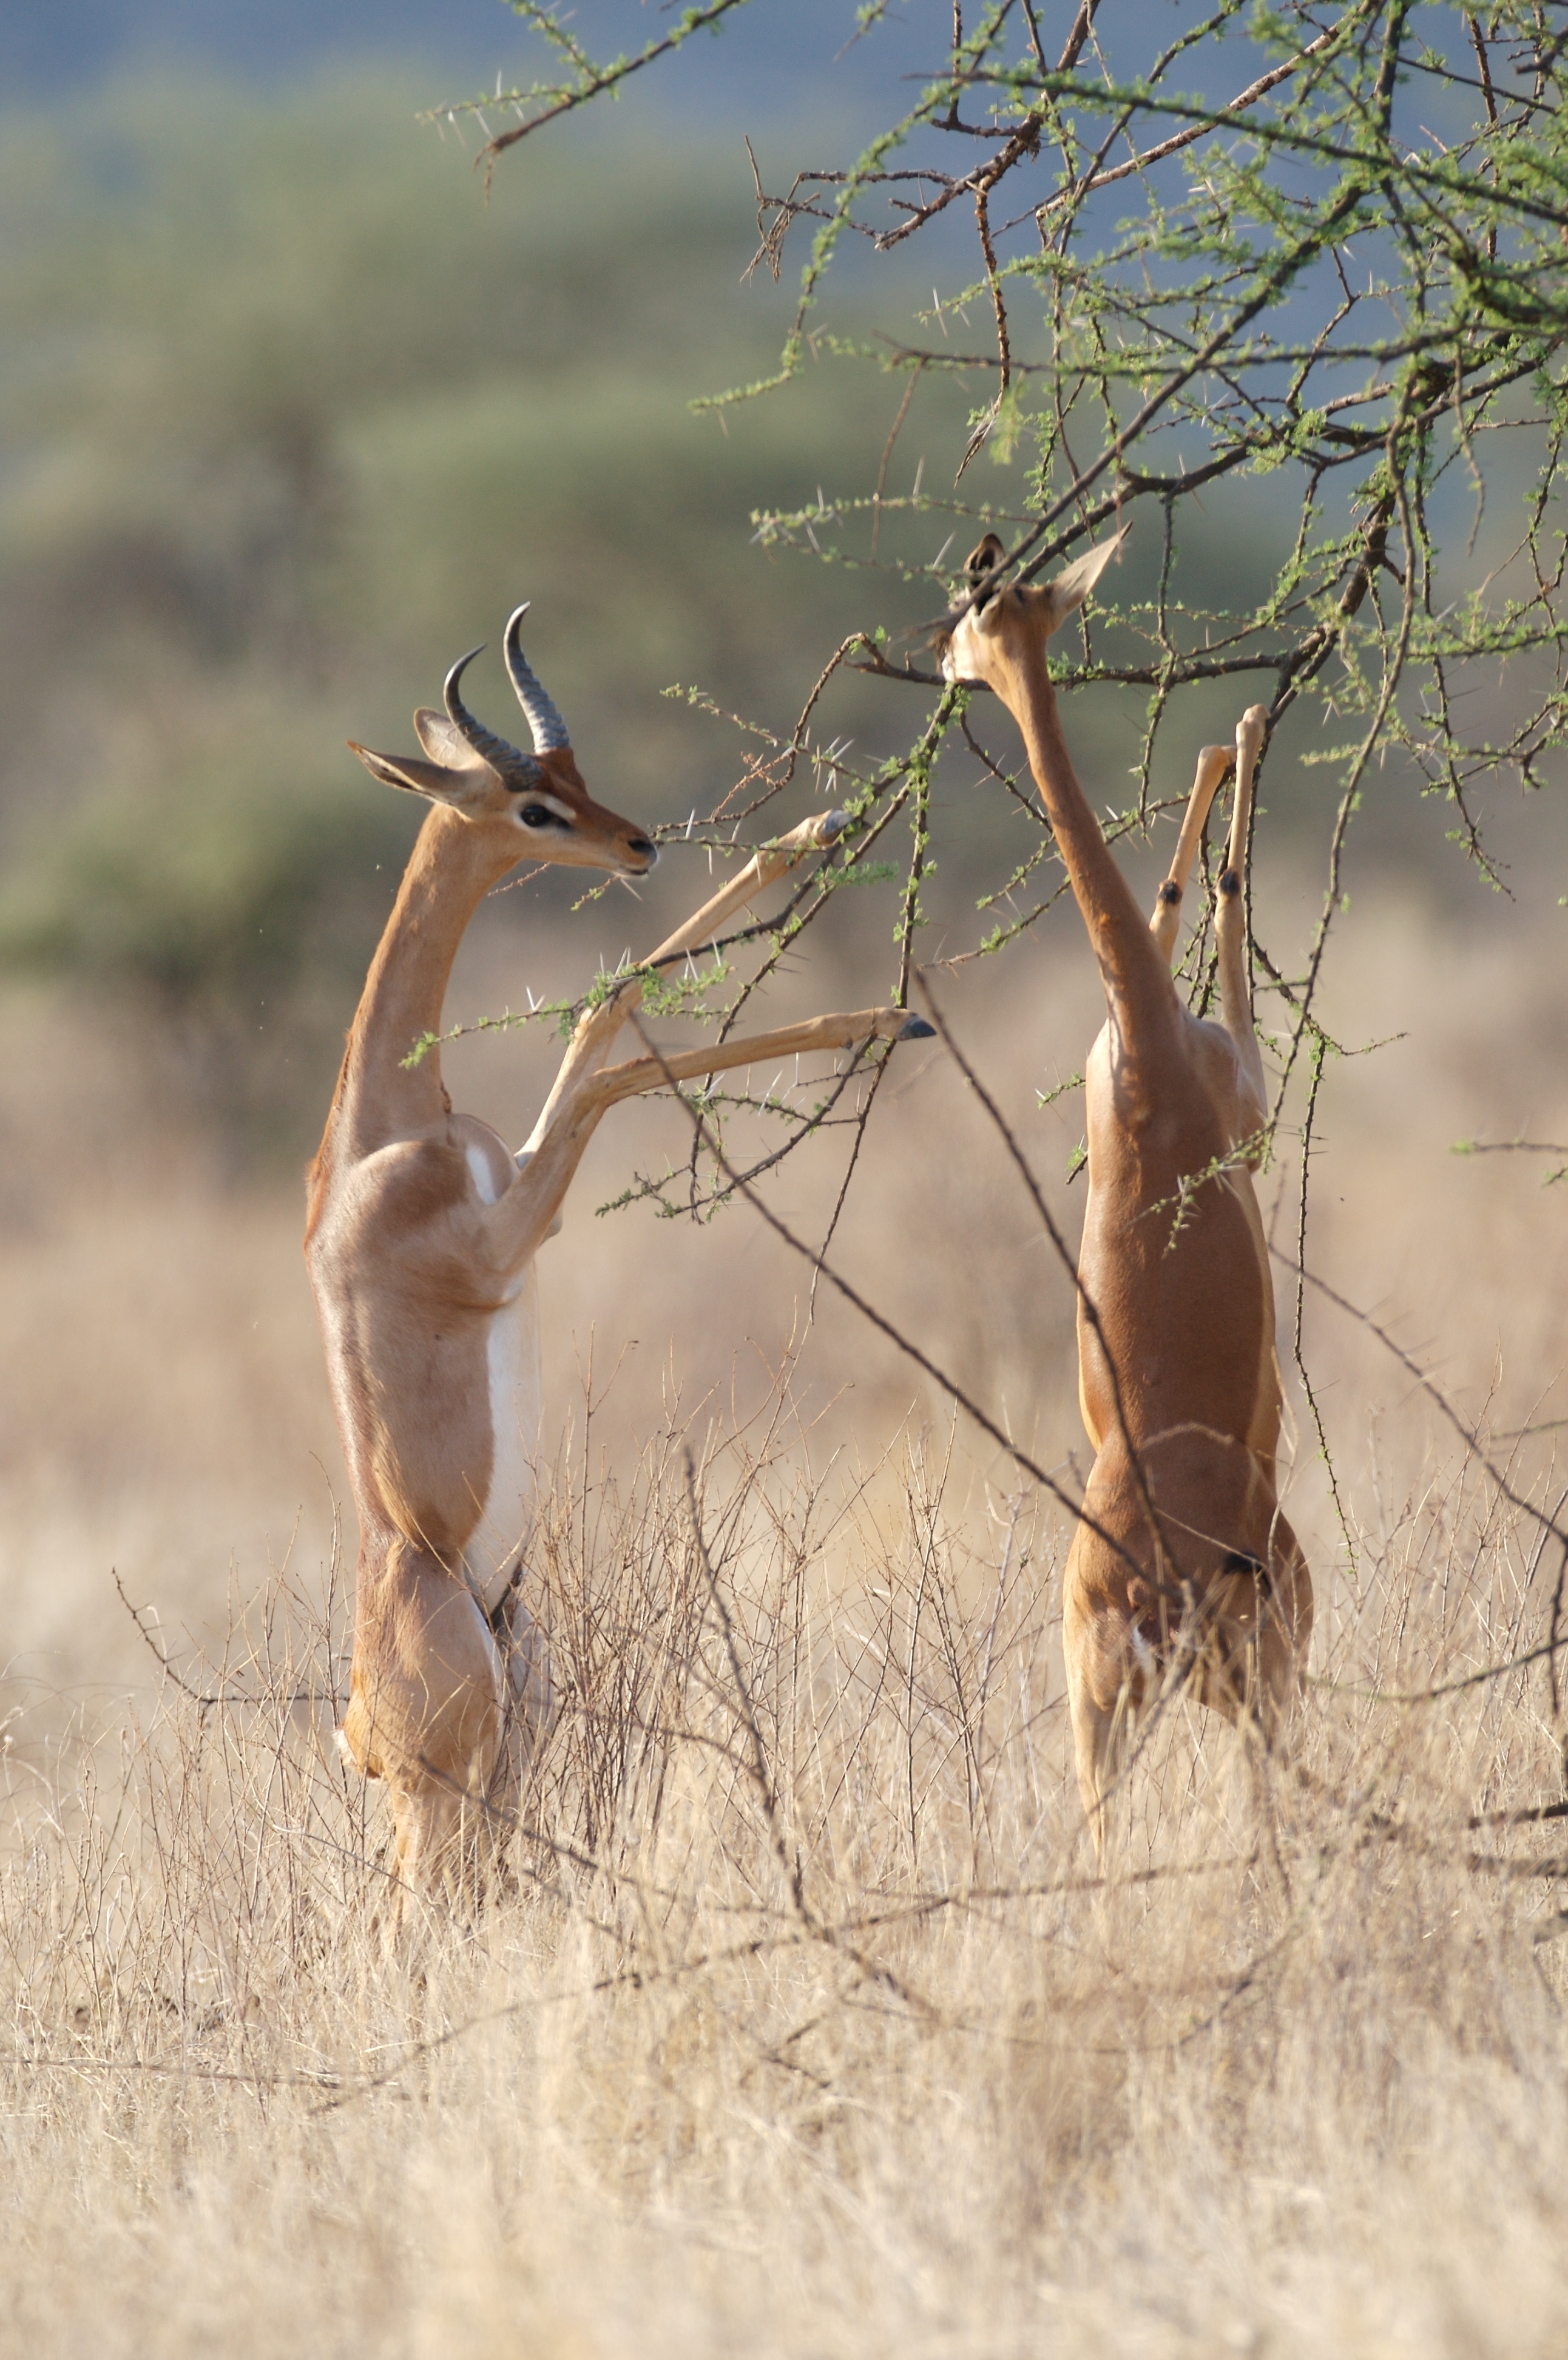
x: 1184, y: 1563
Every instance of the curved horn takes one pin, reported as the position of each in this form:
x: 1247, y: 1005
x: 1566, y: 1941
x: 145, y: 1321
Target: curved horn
x: 499, y: 752
x: 550, y: 731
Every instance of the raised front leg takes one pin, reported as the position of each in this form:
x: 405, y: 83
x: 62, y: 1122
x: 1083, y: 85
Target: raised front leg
x: 814, y: 1033
x: 1213, y: 762
x: 517, y: 1225
x: 1231, y: 913
x: 1001, y: 643
x: 597, y: 1028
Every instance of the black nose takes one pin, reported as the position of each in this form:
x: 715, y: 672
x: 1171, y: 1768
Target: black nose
x: 644, y: 849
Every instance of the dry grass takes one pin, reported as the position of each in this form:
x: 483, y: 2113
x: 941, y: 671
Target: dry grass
x: 809, y: 2028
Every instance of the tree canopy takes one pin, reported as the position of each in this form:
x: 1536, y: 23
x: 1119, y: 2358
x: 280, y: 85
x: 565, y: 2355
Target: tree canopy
x: 1280, y: 291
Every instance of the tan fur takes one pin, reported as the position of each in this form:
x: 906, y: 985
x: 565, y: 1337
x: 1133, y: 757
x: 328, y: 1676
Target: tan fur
x: 412, y: 1267
x: 1173, y: 1261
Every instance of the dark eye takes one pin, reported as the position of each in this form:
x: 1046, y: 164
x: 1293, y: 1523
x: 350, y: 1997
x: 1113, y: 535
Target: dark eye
x: 536, y: 815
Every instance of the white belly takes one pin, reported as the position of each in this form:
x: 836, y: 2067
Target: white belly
x: 516, y: 1406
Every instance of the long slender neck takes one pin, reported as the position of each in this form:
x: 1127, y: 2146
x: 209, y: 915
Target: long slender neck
x: 1136, y: 981
x: 451, y: 867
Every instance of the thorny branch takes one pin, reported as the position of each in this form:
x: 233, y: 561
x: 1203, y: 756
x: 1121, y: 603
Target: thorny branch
x: 1277, y: 287
x: 1314, y: 342
x: 544, y: 103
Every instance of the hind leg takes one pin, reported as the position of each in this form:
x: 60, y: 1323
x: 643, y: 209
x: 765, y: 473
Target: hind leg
x: 425, y: 1713
x: 531, y: 1684
x: 428, y: 1820
x: 527, y: 1703
x: 1283, y: 1641
x: 1102, y: 1684
x: 1255, y: 1625
x: 1287, y: 1632
x: 1260, y: 1629
x: 1094, y: 1750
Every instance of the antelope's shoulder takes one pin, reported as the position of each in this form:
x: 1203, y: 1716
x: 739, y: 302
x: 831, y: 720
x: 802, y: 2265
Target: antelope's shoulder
x: 1214, y: 1051
x: 408, y: 1183
x: 492, y: 1167
x: 1150, y: 1115
x: 1224, y: 1074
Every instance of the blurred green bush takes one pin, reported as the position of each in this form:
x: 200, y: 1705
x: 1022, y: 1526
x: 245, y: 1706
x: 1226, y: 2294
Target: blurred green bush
x: 290, y: 415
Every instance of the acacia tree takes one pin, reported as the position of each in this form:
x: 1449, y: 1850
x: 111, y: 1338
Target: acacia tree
x: 1324, y: 247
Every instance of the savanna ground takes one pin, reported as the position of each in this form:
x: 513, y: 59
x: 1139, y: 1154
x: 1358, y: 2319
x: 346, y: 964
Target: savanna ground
x: 808, y: 2026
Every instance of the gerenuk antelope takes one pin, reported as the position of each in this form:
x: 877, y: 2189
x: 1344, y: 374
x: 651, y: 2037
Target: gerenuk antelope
x: 420, y: 1237
x: 1184, y: 1565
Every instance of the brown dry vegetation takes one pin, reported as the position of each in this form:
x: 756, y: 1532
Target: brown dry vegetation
x: 939, y: 2090
x: 808, y: 2026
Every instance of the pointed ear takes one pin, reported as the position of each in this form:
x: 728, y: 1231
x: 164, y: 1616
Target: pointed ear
x: 980, y: 561
x: 443, y: 740
x: 432, y: 779
x: 1068, y: 591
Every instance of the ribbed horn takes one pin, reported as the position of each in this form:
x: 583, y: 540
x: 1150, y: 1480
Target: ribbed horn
x: 550, y: 731
x: 499, y: 752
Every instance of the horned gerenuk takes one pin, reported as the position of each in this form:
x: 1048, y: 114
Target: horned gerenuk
x: 422, y: 1232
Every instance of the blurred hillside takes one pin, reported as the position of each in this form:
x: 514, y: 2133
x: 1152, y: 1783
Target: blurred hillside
x: 54, y: 50
x: 771, y: 55
x: 289, y: 418
x: 290, y: 415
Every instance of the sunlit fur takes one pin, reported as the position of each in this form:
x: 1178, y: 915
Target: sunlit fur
x: 1183, y: 1565
x: 421, y: 1230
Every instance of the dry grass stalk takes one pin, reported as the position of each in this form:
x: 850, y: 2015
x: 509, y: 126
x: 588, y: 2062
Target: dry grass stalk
x: 805, y: 2022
